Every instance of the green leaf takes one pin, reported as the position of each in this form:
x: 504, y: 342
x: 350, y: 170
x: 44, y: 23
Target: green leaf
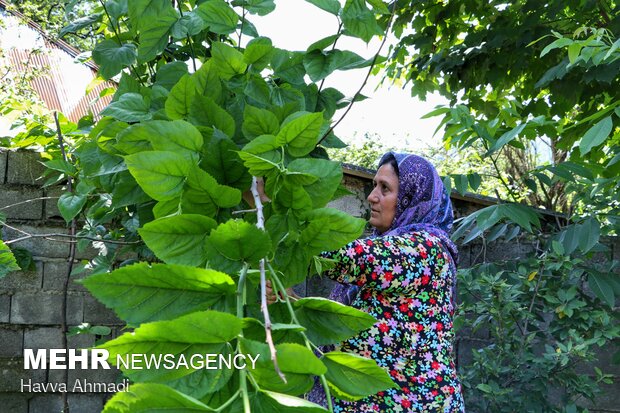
x: 330, y: 229
x: 474, y: 181
x: 179, y: 239
x: 153, y: 19
x: 320, y: 64
x: 219, y: 16
x: 330, y: 6
x: 181, y: 98
x: 141, y: 293
x: 260, y: 7
x: 112, y: 57
x: 557, y: 44
x: 329, y: 174
x: 160, y: 174
x: 169, y: 74
x: 297, y: 363
x: 152, y: 397
x: 7, y: 260
x: 300, y: 133
x: 81, y: 23
x: 228, y: 60
x: 224, y: 163
x: 258, y: 122
x: 202, y: 332
x: 506, y: 138
x: 522, y: 215
x: 207, y: 82
x: 461, y: 183
x: 61, y: 165
x: 240, y: 240
x: 70, y: 205
x: 589, y: 234
x: 272, y: 402
x: 323, y: 43
x: 596, y: 135
x: 258, y: 52
x: 260, y: 165
x: 190, y: 24
x: 174, y: 136
x: 602, y: 286
x: 329, y: 322
x: 359, y: 20
x: 354, y: 377
x: 203, y: 191
x: 130, y: 107
x: 205, y: 112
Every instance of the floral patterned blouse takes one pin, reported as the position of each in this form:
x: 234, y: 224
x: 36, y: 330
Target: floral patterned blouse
x: 406, y: 282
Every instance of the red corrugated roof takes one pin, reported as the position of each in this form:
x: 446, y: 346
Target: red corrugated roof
x: 53, y: 85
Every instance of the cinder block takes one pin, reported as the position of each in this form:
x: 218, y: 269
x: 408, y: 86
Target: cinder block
x: 81, y: 341
x: 40, y: 247
x: 55, y: 274
x: 508, y: 251
x: 46, y: 403
x: 43, y: 338
x: 86, y: 403
x: 24, y: 168
x: 464, y: 256
x: 43, y: 308
x: 2, y: 166
x: 23, y: 202
x: 12, y: 342
x: 5, y: 308
x: 14, y: 402
x: 51, y: 205
x: 23, y: 280
x: 12, y: 373
x: 97, y: 313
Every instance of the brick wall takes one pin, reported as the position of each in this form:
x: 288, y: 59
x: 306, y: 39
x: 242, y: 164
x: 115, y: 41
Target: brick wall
x: 30, y: 301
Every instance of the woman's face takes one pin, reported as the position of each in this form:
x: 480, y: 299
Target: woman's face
x: 383, y: 198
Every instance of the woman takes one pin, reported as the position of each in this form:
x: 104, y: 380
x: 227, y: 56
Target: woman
x: 404, y: 275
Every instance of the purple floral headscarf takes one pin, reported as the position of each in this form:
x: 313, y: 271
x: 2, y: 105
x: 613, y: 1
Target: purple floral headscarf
x: 423, y: 202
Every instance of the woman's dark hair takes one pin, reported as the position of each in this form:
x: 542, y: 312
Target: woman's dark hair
x: 390, y: 159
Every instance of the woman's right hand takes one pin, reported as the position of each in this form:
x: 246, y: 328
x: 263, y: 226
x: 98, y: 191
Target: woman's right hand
x: 271, y: 294
x: 272, y: 297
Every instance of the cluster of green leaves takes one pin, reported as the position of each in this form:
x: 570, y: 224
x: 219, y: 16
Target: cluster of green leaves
x: 533, y: 90
x: 197, y: 117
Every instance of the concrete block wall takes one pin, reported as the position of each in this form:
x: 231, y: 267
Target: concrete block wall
x: 31, y: 301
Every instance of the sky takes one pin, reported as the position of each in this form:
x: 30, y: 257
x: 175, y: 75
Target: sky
x: 390, y: 113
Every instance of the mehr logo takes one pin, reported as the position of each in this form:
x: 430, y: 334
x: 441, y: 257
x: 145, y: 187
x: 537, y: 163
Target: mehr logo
x: 58, y: 359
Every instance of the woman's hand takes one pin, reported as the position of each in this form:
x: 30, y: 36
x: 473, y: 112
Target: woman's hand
x: 271, y: 294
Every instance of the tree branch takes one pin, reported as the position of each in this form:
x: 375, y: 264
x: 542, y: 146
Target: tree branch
x: 263, y: 282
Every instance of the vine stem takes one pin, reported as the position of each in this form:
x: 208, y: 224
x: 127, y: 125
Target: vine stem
x: 263, y: 283
x: 328, y: 396
x: 27, y: 201
x: 372, y: 65
x: 73, y: 237
x: 71, y: 260
x: 240, y: 314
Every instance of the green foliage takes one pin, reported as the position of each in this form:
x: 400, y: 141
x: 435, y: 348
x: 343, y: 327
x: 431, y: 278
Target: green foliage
x: 7, y: 260
x: 165, y: 176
